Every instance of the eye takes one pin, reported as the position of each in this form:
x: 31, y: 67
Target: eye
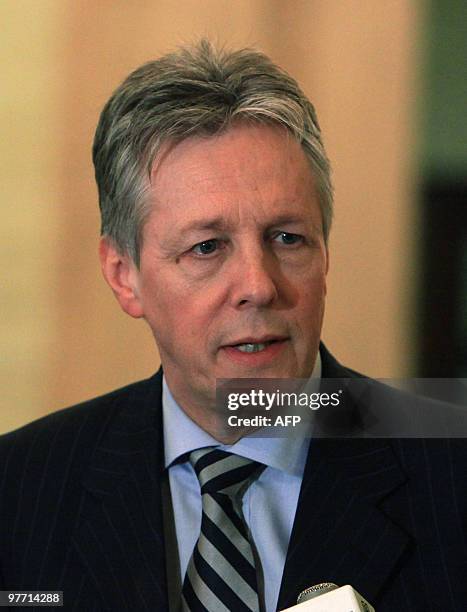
x: 287, y: 238
x: 206, y: 247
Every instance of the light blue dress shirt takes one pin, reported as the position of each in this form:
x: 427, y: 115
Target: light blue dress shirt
x: 269, y: 504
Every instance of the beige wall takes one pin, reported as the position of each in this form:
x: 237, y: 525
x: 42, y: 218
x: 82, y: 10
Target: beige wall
x: 64, y: 338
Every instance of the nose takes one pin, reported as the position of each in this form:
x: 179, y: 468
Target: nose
x: 254, y: 279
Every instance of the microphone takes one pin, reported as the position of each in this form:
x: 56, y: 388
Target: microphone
x: 328, y: 597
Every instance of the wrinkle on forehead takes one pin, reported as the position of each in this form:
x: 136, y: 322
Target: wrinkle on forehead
x: 231, y: 176
x: 188, y: 155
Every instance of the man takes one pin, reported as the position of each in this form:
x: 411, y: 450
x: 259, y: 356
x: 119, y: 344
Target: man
x: 215, y: 196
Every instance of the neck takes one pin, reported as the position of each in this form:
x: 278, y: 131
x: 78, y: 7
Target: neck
x: 216, y: 425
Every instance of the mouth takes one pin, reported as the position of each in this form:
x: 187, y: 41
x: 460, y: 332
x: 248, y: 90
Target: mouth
x: 254, y: 346
x: 251, y: 347
x: 250, y: 350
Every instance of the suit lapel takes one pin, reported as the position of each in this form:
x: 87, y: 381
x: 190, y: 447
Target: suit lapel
x: 121, y: 534
x: 341, y: 533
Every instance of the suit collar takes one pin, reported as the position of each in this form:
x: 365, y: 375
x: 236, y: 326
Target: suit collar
x: 134, y: 433
x: 331, y: 368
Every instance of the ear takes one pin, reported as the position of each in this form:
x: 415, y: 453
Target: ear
x: 121, y: 274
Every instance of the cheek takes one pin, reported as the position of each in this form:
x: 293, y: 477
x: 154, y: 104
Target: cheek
x: 180, y: 316
x: 312, y: 298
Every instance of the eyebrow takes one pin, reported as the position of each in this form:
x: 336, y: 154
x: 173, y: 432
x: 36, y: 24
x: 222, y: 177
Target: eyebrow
x: 219, y: 223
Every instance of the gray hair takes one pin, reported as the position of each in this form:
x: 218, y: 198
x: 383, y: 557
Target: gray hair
x: 197, y: 90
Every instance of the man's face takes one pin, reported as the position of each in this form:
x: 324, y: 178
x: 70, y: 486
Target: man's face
x: 232, y: 278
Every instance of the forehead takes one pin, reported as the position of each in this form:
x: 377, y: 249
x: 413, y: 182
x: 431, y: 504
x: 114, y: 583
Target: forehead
x: 248, y: 169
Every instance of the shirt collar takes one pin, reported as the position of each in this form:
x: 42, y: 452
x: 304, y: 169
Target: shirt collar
x: 182, y: 435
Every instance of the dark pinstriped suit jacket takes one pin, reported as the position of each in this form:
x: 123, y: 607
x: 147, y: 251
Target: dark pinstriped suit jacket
x: 81, y: 511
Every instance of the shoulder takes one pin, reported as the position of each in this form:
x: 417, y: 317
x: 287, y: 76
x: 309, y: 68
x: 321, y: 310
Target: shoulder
x: 402, y: 409
x: 424, y: 438
x: 75, y: 430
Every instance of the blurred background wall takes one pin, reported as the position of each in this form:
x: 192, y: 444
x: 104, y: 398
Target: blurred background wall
x: 361, y: 62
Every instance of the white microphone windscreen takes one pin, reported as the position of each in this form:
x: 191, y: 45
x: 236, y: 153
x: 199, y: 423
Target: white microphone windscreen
x: 342, y: 599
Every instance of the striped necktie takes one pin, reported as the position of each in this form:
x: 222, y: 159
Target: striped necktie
x: 221, y: 574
